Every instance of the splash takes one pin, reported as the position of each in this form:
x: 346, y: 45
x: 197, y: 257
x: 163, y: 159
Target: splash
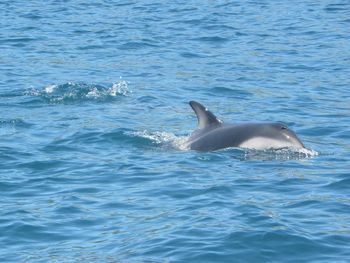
x: 281, y: 154
x: 50, y: 88
x: 308, y: 152
x: 120, y: 88
x: 164, y: 139
x: 70, y: 92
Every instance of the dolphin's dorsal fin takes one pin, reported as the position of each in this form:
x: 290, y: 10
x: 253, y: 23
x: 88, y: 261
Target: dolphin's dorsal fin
x: 204, y: 116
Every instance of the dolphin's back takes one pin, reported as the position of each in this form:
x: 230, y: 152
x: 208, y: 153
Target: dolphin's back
x: 212, y: 134
x: 220, y: 136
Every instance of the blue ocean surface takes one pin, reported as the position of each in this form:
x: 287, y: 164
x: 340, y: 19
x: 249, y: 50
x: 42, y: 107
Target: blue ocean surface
x: 94, y: 117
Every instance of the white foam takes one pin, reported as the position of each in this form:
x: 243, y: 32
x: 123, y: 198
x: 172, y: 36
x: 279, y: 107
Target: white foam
x: 308, y: 152
x: 165, y: 138
x: 50, y: 88
x: 293, y: 153
x: 93, y: 93
x: 119, y: 88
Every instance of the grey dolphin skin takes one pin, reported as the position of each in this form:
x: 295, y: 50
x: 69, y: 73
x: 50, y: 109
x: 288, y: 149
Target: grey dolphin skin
x: 212, y: 134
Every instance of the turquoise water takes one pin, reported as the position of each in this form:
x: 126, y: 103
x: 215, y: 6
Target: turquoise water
x: 94, y: 114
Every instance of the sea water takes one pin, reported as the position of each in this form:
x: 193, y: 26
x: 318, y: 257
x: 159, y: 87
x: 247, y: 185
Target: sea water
x: 94, y: 118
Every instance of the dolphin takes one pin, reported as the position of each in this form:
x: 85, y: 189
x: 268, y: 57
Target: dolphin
x: 213, y: 134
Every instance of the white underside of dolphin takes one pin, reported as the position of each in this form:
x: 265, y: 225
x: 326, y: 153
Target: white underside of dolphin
x: 212, y: 134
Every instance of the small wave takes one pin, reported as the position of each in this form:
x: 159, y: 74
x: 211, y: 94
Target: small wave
x: 71, y: 92
x: 212, y: 39
x: 14, y: 123
x: 230, y: 92
x: 337, y: 185
x: 165, y: 139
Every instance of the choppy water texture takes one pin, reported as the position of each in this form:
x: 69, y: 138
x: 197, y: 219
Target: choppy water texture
x: 94, y: 113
